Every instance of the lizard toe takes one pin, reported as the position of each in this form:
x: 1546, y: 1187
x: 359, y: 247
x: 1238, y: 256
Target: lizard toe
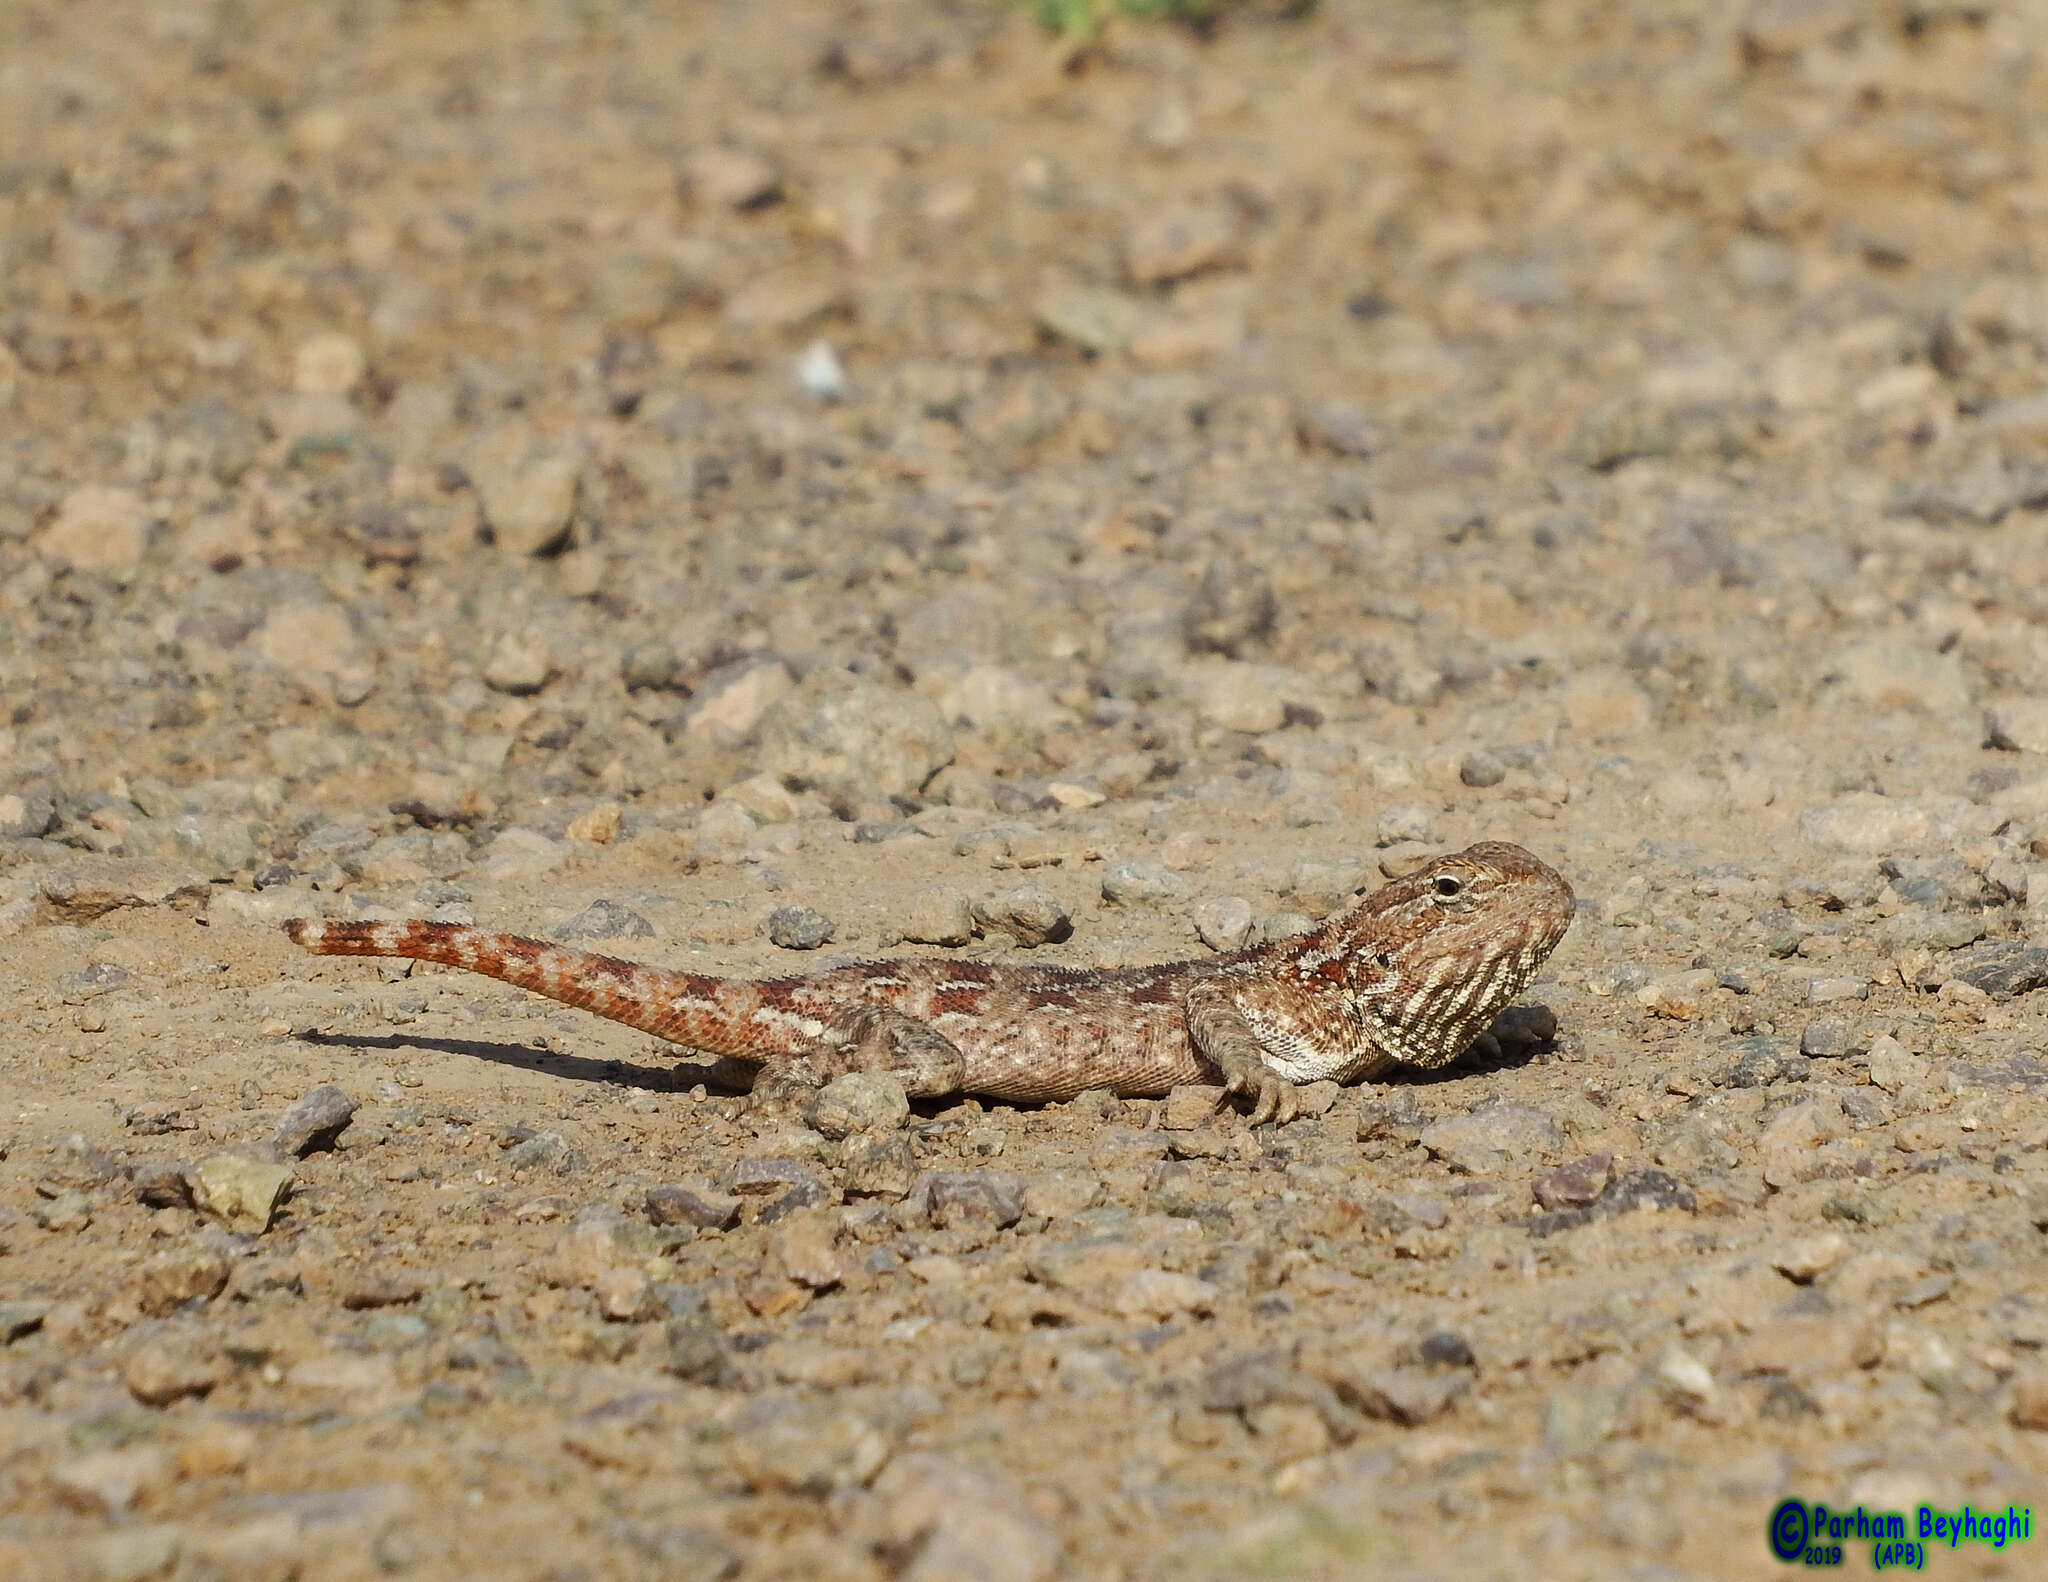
x: 1279, y: 1101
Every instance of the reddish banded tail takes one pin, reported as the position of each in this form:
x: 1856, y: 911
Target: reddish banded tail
x: 723, y: 1016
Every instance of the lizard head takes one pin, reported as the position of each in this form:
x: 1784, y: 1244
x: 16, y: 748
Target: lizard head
x: 1433, y: 957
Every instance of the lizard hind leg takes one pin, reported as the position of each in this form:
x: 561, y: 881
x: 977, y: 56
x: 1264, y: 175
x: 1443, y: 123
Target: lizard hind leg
x: 877, y: 1038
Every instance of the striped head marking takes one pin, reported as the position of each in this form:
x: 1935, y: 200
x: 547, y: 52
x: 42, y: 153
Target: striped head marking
x: 1429, y: 960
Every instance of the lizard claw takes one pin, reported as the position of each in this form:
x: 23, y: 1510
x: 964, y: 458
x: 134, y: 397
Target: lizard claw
x: 1273, y: 1098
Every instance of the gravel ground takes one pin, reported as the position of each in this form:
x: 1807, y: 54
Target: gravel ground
x: 752, y: 485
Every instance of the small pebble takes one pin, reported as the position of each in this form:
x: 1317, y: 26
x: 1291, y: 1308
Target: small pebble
x: 67, y: 1213
x: 1576, y: 1184
x: 1827, y: 1038
x: 312, y: 1122
x: 2030, y: 1401
x: 520, y: 663
x: 599, y: 826
x: 1481, y: 769
x: 1140, y: 883
x: 799, y: 927
x: 819, y: 373
x: 698, y: 1204
x: 836, y: 732
x: 730, y: 177
x: 935, y: 915
x: 602, y: 919
x: 1031, y: 914
x: 1223, y: 922
x: 160, y: 1371
x: 859, y: 1101
x: 242, y: 1193
x: 1807, y: 1259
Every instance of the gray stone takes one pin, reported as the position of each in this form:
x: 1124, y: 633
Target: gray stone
x: 884, y: 1168
x: 799, y: 927
x: 1029, y: 913
x: 1627, y: 1193
x: 1140, y: 883
x: 1761, y: 1062
x: 1404, y: 1395
x: 778, y: 1446
x: 26, y: 815
x: 366, y: 1289
x: 1866, y: 824
x: 164, y: 1369
x: 693, y: 1203
x: 1404, y: 823
x: 1522, y: 1029
x: 2002, y: 968
x: 730, y: 703
x: 1894, y: 1068
x: 1223, y: 922
x: 1827, y: 1038
x: 963, y: 1524
x: 2017, y: 724
x: 90, y: 887
x: 1483, y: 1142
x: 650, y: 665
x: 520, y: 662
x: 312, y: 1122
x: 696, y: 1352
x: 168, y: 1280
x: 1326, y: 884
x: 68, y: 1212
x: 526, y: 488
x: 1241, y: 697
x: 1576, y: 1184
x: 858, y: 1101
x: 935, y: 915
x: 787, y: 1185
x: 1338, y: 427
x: 88, y: 983
x: 1481, y: 769
x: 973, y: 1199
x: 1931, y: 930
x: 602, y: 919
x: 1092, y: 317
x: 837, y: 733
x: 529, y: 1150
x: 107, y: 1482
x: 1183, y: 239
x: 727, y: 177
x: 136, y: 1554
x: 1892, y: 674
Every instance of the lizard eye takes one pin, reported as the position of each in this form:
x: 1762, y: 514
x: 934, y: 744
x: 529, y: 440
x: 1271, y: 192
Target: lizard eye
x: 1446, y: 885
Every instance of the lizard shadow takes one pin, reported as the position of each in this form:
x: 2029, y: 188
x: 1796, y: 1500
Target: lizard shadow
x: 679, y: 1078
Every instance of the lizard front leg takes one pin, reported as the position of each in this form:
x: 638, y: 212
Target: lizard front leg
x: 878, y: 1038
x: 1223, y: 1037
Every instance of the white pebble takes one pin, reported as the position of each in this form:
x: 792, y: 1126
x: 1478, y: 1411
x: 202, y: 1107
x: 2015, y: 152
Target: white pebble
x: 819, y: 372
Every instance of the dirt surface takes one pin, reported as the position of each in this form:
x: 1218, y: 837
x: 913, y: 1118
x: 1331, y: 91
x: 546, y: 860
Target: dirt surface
x: 742, y: 485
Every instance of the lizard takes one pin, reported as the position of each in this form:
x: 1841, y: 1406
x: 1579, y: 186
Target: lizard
x: 1411, y: 975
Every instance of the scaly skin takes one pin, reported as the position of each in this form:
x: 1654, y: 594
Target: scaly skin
x: 1412, y: 974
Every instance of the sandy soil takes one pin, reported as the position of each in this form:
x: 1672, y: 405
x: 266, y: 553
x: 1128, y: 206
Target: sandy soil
x: 744, y: 485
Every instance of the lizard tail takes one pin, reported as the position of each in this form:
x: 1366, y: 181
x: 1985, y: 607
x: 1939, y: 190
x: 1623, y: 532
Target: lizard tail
x: 722, y: 1016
